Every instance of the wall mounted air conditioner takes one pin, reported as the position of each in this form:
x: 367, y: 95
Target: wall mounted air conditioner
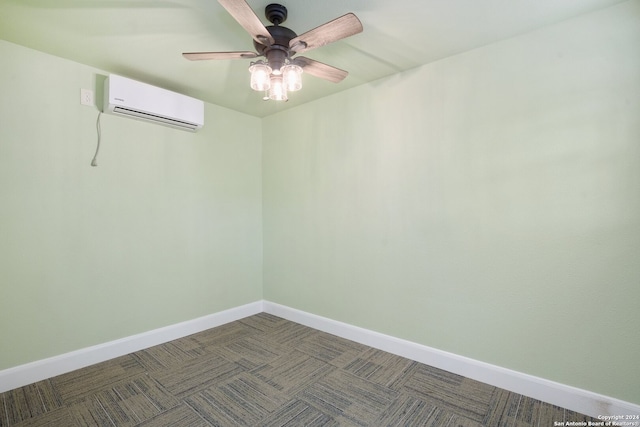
x: 137, y: 100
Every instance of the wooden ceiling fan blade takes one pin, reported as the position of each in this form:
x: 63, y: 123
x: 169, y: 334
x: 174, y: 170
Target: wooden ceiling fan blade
x: 340, y: 28
x: 246, y: 17
x: 321, y: 70
x: 200, y: 56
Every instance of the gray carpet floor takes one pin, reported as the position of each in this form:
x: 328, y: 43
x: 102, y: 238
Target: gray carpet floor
x: 267, y: 371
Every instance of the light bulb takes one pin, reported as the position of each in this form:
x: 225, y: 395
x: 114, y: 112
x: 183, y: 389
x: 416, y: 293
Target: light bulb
x: 278, y: 91
x: 292, y: 76
x: 260, y: 73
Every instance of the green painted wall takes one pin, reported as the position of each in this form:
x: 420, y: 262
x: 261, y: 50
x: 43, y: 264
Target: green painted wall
x: 167, y: 228
x: 487, y: 204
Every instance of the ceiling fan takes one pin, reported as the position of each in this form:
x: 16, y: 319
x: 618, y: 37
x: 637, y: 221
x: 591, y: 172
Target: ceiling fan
x: 281, y: 72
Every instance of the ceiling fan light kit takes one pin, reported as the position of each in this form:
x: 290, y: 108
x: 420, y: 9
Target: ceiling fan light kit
x: 280, y: 72
x: 276, y: 83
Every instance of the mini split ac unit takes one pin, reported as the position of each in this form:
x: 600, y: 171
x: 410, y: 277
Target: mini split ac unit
x: 137, y: 100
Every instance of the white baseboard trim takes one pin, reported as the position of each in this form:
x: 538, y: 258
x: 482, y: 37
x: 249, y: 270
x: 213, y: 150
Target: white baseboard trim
x: 565, y: 396
x: 575, y: 399
x: 28, y: 373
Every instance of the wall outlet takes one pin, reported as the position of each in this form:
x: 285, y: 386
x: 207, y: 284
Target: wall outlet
x: 86, y: 97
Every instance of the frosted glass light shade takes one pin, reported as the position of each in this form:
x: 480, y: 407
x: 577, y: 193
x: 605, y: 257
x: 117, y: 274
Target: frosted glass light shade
x: 260, y: 76
x: 292, y: 76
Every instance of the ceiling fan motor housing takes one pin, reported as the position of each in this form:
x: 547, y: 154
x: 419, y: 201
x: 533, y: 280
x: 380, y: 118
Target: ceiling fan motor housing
x: 278, y: 52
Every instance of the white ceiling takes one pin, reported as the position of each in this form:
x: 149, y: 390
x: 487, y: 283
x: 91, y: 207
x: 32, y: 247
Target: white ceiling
x: 144, y: 39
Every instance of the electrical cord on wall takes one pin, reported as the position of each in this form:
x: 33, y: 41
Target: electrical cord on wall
x: 94, y: 162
